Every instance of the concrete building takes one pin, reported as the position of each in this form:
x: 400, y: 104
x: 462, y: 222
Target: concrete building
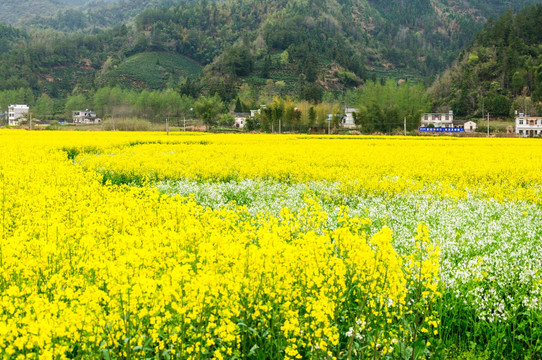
x: 254, y: 113
x: 438, y: 120
x: 467, y: 125
x: 348, y: 119
x: 240, y: 119
x: 17, y: 112
x: 470, y: 126
x: 528, y: 126
x: 85, y: 117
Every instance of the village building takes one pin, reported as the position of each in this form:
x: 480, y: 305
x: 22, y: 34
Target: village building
x: 528, y: 126
x: 470, y: 126
x: 85, y: 117
x: 17, y: 112
x: 467, y: 125
x: 255, y: 113
x: 348, y: 119
x: 438, y: 120
x: 240, y: 119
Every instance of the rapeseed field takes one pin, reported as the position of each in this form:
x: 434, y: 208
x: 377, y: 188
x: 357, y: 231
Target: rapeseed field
x: 195, y: 246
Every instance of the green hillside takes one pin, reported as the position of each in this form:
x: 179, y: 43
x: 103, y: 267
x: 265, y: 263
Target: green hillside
x: 150, y: 70
x: 501, y: 72
x: 12, y: 12
x: 296, y: 48
x: 10, y: 37
x: 79, y: 15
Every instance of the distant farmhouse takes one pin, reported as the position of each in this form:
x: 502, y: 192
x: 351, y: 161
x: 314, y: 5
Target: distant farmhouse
x: 16, y: 112
x: 240, y: 119
x: 85, y: 117
x: 348, y: 119
x: 467, y: 125
x: 470, y: 126
x: 528, y: 126
x: 438, y: 120
x: 443, y: 123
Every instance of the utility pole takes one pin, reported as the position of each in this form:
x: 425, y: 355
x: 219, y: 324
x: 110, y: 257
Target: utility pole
x: 328, y: 127
x: 184, y: 123
x: 405, y: 125
x: 167, y: 126
x: 487, y: 124
x: 280, y: 127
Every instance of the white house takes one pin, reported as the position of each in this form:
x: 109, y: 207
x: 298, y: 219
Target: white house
x: 470, y: 126
x: 16, y: 112
x: 348, y: 119
x: 466, y: 125
x: 240, y: 119
x: 85, y: 117
x: 528, y: 126
x: 438, y: 120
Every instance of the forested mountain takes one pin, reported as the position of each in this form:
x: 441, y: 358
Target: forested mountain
x: 422, y: 36
x: 501, y: 72
x: 11, y: 37
x: 94, y: 14
x: 299, y: 48
x: 12, y: 12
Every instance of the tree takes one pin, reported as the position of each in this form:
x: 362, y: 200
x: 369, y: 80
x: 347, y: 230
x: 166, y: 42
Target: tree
x: 310, y: 67
x: 284, y: 58
x: 312, y: 92
x: 498, y: 105
x: 208, y: 108
x: 252, y: 124
x: 391, y: 119
x: 266, y: 67
x: 44, y: 107
x: 185, y: 107
x: 277, y: 110
x: 238, y: 61
x: 101, y: 102
x: 226, y: 120
x: 140, y: 44
x: 373, y: 119
x: 518, y: 81
x: 74, y: 103
x: 312, y: 116
x: 189, y: 87
x: 238, y: 106
x: 171, y: 102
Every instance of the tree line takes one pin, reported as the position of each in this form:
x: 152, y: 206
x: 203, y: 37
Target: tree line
x: 381, y: 107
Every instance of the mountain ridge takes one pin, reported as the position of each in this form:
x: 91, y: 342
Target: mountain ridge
x: 334, y: 44
x: 501, y: 72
